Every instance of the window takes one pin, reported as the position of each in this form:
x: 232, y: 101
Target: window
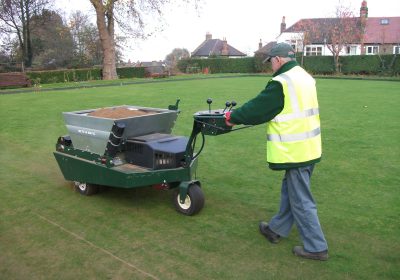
x: 352, y: 50
x: 396, y: 50
x: 293, y: 44
x: 313, y: 51
x: 372, y: 49
x: 384, y: 21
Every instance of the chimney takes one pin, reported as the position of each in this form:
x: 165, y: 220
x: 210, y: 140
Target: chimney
x: 283, y: 24
x: 260, y: 45
x: 225, y: 50
x: 208, y: 36
x: 364, y: 10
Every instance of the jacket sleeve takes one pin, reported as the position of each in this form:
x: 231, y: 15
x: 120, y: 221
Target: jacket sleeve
x: 262, y: 108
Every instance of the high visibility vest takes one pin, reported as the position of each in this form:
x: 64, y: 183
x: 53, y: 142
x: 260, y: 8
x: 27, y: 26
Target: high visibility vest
x: 294, y: 135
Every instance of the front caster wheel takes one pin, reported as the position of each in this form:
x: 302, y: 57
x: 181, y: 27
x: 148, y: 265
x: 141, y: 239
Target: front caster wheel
x: 193, y: 203
x: 85, y: 188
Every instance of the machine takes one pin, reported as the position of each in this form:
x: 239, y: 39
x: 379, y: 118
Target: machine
x: 131, y: 146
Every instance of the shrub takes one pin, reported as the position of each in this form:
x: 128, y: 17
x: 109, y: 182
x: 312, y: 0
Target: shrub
x: 79, y: 75
x: 219, y: 65
x: 131, y: 72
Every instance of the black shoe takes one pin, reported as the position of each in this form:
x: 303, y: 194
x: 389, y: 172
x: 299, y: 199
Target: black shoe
x: 268, y: 233
x: 319, y: 256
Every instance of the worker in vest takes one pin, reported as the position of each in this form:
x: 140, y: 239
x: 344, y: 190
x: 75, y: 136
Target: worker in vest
x: 289, y: 106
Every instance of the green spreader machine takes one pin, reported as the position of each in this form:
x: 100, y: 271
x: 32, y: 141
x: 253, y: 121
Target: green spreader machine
x: 131, y: 146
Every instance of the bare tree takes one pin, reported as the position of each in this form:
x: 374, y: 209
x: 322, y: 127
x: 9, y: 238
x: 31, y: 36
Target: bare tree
x: 129, y: 15
x: 87, y: 45
x: 176, y: 55
x: 345, y: 29
x: 15, y: 17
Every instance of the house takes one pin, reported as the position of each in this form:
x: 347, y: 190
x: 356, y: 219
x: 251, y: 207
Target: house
x: 155, y: 68
x: 364, y: 35
x: 264, y: 50
x: 216, y: 47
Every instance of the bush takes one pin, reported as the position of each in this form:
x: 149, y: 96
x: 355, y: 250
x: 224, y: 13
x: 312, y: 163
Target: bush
x: 79, y: 75
x: 361, y: 64
x: 261, y: 66
x: 219, y: 65
x: 62, y: 76
x: 131, y: 72
x: 318, y: 64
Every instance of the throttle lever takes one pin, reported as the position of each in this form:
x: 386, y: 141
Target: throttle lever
x: 227, y: 105
x: 233, y: 104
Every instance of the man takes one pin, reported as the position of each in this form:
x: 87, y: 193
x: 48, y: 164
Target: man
x: 289, y: 106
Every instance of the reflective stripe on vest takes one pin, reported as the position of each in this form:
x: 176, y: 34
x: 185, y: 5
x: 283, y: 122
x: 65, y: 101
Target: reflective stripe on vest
x: 296, y: 115
x: 294, y: 137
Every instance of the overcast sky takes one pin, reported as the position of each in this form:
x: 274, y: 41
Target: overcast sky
x: 242, y: 23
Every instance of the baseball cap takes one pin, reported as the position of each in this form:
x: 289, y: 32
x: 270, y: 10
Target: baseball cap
x: 281, y: 50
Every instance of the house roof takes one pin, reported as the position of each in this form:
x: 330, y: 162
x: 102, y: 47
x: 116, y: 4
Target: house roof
x: 383, y: 30
x: 320, y: 28
x: 267, y: 48
x: 378, y: 30
x: 212, y: 47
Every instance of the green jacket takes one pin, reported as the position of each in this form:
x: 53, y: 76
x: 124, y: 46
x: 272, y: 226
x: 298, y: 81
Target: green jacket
x: 264, y: 107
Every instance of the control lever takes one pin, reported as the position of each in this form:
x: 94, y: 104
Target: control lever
x: 209, y: 101
x: 227, y: 105
x: 233, y: 104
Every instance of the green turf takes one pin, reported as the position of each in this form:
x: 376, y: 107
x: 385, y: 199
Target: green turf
x: 48, y: 231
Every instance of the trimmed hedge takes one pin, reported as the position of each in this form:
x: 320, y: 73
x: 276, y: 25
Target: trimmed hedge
x: 131, y: 72
x: 218, y: 65
x: 79, y: 75
x: 62, y: 76
x: 318, y: 64
x: 383, y: 65
x: 370, y: 64
x: 358, y: 64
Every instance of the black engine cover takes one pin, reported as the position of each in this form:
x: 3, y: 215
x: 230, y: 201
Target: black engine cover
x: 156, y: 151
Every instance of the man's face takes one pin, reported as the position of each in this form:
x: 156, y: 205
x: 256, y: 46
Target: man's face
x: 276, y: 63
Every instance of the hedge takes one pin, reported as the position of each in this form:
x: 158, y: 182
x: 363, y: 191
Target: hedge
x: 79, y: 75
x: 370, y: 64
x: 218, y: 65
x: 131, y: 72
x: 357, y: 64
x: 318, y: 64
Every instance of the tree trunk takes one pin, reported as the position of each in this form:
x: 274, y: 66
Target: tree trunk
x: 106, y: 34
x: 29, y: 51
x: 336, y: 59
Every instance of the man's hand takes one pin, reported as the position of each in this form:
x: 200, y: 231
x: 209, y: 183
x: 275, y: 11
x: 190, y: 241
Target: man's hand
x: 227, y: 116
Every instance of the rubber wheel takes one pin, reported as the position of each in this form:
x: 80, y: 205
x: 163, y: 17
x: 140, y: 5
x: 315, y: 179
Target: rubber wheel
x: 85, y: 188
x: 194, y: 201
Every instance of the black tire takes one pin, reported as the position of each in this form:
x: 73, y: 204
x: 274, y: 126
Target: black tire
x: 194, y: 201
x: 85, y: 188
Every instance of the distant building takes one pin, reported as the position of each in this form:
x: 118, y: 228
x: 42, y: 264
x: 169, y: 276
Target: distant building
x: 377, y: 35
x: 216, y: 47
x: 154, y: 68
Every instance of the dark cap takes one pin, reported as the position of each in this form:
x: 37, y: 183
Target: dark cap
x: 281, y: 50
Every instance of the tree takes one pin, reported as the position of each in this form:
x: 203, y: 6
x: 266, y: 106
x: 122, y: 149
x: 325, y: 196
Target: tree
x: 345, y: 30
x: 15, y: 16
x: 87, y: 46
x: 334, y: 33
x: 129, y: 15
x: 176, y: 55
x: 52, y: 40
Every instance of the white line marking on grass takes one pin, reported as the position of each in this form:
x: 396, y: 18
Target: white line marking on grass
x: 97, y: 247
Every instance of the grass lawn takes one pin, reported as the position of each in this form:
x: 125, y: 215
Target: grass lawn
x: 48, y: 231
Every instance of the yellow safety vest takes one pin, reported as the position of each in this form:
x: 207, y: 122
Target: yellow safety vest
x: 294, y: 135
